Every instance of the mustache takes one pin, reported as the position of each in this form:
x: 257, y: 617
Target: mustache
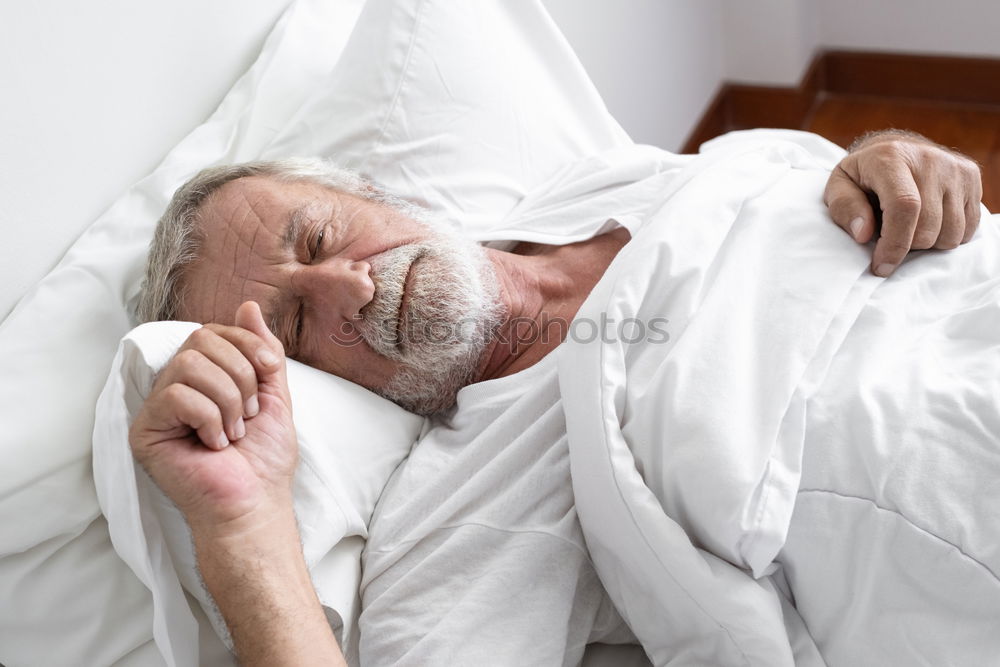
x: 381, y: 319
x: 435, y: 305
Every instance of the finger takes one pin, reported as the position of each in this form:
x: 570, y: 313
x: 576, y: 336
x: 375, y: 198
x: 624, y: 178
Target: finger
x: 973, y: 212
x: 256, y: 349
x: 901, y: 203
x: 192, y: 368
x: 930, y: 222
x: 953, y: 224
x: 196, y: 411
x: 270, y: 357
x: 232, y: 350
x: 849, y: 206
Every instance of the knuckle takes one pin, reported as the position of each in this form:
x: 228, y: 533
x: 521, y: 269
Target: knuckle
x: 134, y: 435
x: 888, y: 148
x: 895, y: 248
x: 948, y: 243
x: 188, y: 358
x: 907, y: 202
x: 173, y: 394
x: 967, y: 165
x: 841, y: 203
x: 246, y: 377
x: 232, y: 398
x: 894, y: 151
x: 201, y: 336
x: 924, y: 240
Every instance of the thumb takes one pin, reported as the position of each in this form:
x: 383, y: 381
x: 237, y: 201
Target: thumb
x: 270, y: 357
x: 849, y: 206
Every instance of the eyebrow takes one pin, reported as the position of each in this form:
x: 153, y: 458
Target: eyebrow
x: 293, y: 230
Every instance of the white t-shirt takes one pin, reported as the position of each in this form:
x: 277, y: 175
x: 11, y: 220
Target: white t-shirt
x: 475, y: 555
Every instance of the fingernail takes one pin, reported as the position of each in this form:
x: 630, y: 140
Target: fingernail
x: 267, y: 358
x: 884, y: 269
x: 856, y: 226
x: 252, y: 406
x: 240, y: 429
x: 222, y: 441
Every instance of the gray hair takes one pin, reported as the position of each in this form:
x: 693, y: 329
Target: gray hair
x: 177, y: 239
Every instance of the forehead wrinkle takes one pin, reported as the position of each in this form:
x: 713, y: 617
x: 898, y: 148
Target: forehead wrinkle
x: 272, y: 310
x: 246, y: 273
x: 236, y: 229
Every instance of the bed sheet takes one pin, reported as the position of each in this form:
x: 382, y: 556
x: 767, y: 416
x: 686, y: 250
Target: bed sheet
x: 519, y: 111
x: 57, y: 563
x: 806, y: 432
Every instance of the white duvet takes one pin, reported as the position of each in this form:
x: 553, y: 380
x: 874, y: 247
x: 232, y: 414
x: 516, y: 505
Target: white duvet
x: 808, y: 432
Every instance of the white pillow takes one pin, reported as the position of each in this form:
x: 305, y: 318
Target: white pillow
x: 350, y: 441
x: 461, y: 106
x: 465, y: 106
x: 57, y: 563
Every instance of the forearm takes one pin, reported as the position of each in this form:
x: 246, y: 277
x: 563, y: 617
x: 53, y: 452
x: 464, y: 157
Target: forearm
x: 262, y: 588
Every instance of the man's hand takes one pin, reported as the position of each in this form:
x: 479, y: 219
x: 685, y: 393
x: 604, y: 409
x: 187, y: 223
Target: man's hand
x: 216, y: 432
x: 929, y: 195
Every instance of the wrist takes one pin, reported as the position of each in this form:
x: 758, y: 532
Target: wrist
x: 259, y: 581
x: 266, y: 547
x: 266, y: 562
x: 249, y: 521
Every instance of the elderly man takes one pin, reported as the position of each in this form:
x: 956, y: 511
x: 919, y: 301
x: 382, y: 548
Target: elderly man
x: 302, y: 259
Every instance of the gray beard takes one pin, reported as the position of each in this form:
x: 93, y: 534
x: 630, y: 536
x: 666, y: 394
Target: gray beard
x: 439, y: 335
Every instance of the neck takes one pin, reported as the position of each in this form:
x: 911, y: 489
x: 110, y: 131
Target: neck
x: 542, y: 288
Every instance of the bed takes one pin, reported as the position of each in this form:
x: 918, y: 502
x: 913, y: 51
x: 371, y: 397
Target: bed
x: 482, y: 112
x: 374, y: 98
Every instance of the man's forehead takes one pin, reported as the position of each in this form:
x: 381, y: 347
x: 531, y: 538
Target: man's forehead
x: 260, y: 198
x: 238, y: 223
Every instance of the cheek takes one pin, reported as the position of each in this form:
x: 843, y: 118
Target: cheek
x: 352, y: 360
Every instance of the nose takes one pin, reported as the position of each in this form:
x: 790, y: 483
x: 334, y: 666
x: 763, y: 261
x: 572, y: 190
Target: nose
x: 339, y: 286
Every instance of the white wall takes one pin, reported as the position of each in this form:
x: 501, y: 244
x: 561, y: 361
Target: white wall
x: 769, y: 41
x: 963, y: 27
x: 115, y: 68
x: 773, y: 41
x: 134, y: 77
x: 657, y: 63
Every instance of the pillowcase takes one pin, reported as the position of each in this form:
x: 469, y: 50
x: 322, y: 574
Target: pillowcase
x: 462, y: 106
x: 57, y: 562
x: 346, y: 456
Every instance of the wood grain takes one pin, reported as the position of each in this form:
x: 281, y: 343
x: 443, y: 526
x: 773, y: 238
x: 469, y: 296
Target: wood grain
x: 940, y: 78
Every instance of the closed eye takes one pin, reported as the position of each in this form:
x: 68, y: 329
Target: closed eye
x: 318, y: 245
x: 299, y: 319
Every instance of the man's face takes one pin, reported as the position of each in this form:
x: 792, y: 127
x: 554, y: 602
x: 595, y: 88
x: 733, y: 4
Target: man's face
x: 349, y: 286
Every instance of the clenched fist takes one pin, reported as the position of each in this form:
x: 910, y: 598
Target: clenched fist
x: 929, y: 195
x: 216, y: 431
